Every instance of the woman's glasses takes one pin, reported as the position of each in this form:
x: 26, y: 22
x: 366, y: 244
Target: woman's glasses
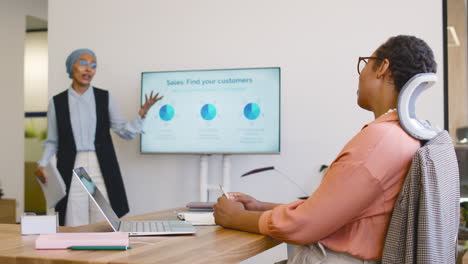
x: 362, y: 61
x: 85, y: 63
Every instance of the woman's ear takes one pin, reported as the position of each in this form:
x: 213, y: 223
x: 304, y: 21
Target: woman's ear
x: 383, y: 68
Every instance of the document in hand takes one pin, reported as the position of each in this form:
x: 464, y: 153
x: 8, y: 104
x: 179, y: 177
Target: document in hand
x: 65, y: 240
x: 54, y: 189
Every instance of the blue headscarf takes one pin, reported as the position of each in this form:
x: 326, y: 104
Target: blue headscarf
x: 73, y: 57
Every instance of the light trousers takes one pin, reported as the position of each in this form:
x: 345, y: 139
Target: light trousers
x: 318, y: 254
x: 81, y: 210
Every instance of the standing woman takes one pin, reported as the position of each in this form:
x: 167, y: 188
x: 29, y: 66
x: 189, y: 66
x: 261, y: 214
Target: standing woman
x: 79, y: 120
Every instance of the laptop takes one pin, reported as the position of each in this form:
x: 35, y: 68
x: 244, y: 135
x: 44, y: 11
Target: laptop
x: 134, y: 228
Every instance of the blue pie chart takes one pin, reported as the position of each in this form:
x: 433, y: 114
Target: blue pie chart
x: 208, y: 112
x: 252, y: 111
x: 166, y: 112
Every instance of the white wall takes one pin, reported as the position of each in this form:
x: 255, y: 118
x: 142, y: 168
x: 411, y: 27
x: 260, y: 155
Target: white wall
x: 12, y: 28
x: 316, y: 44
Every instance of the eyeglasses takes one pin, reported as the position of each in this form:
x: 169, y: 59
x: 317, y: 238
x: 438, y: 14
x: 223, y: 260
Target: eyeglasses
x: 93, y: 65
x: 361, y: 66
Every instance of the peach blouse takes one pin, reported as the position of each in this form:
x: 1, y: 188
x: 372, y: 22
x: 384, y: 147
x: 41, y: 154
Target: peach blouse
x: 350, y: 210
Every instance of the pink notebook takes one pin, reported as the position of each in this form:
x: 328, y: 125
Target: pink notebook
x: 65, y: 240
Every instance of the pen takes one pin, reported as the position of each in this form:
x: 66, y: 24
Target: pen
x: 225, y: 193
x: 99, y: 247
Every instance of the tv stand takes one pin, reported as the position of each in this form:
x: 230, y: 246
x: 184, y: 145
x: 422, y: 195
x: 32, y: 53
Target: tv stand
x: 204, y: 186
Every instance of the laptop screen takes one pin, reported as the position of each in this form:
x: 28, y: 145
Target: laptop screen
x: 98, y: 198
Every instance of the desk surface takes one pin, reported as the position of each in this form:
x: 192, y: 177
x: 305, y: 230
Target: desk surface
x: 211, y: 244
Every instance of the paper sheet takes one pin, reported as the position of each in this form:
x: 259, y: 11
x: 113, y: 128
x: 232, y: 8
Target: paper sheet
x: 197, y: 218
x: 54, y: 190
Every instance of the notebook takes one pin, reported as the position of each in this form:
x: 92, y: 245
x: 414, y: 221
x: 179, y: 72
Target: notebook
x: 197, y: 218
x: 201, y: 206
x: 134, y: 228
x: 65, y: 240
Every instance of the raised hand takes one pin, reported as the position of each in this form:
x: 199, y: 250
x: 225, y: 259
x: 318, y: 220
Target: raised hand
x: 149, y: 102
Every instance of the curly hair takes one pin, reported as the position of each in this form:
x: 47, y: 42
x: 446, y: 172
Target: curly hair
x: 408, y: 55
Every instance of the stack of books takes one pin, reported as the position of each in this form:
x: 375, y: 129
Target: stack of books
x: 200, y: 206
x: 199, y: 213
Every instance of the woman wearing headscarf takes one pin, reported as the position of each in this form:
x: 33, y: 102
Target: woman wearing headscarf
x: 79, y: 120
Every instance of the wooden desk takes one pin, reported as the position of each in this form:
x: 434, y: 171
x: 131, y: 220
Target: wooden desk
x: 211, y: 244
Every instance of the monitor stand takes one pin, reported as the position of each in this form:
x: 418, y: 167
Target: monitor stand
x: 204, y: 186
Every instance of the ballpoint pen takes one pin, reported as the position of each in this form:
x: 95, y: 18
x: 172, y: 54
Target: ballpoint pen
x: 225, y: 193
x: 99, y: 247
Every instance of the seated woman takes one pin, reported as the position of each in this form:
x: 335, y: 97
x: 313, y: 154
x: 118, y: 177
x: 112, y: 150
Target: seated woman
x: 345, y: 220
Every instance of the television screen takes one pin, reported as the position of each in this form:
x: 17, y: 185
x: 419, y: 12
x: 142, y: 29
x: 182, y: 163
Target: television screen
x: 225, y: 111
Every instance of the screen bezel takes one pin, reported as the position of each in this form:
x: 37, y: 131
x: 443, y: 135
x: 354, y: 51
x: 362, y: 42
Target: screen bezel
x: 217, y: 152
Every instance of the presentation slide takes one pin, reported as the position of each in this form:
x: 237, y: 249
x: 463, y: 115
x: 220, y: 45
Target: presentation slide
x: 213, y: 111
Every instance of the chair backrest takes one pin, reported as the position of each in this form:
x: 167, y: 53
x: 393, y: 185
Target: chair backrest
x: 424, y: 224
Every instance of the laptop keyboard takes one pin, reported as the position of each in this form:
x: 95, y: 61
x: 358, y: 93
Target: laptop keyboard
x: 146, y: 226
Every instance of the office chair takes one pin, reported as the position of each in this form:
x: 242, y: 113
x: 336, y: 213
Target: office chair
x: 424, y: 223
